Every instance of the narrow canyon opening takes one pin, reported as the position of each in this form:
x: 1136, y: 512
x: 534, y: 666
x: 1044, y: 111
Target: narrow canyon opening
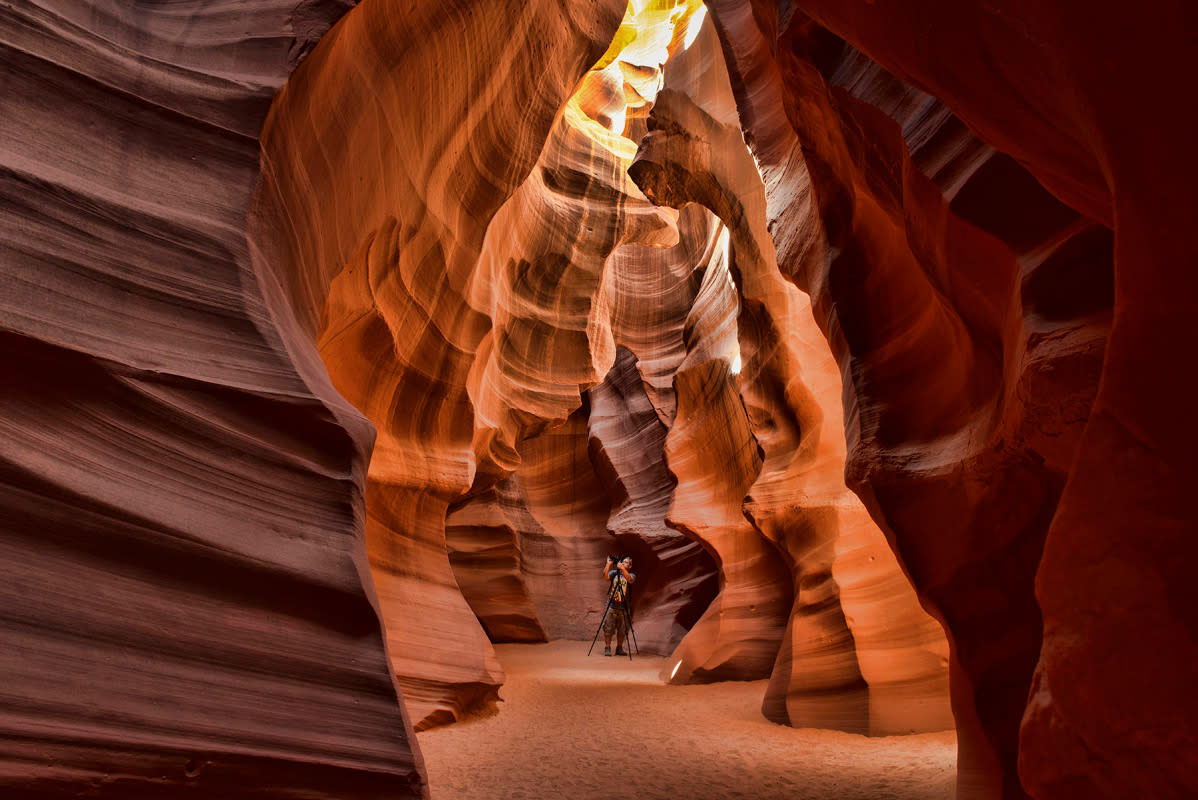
x: 556, y: 298
x: 620, y: 280
x: 344, y: 339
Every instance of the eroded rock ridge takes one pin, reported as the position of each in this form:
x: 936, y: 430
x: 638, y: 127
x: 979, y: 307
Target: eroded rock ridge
x: 320, y: 379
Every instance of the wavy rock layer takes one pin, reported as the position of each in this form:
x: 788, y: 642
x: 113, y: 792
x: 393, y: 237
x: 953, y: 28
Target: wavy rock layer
x: 462, y: 296
x: 486, y: 535
x: 483, y: 333
x: 984, y: 201
x: 461, y: 308
x: 184, y: 611
x: 676, y: 578
x: 971, y: 312
x: 857, y: 653
x: 374, y: 221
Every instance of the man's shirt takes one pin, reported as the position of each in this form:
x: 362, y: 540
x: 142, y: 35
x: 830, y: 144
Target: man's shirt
x: 620, y: 592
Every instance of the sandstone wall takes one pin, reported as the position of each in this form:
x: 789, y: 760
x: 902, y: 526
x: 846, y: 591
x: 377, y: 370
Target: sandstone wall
x: 384, y: 216
x: 461, y: 295
x: 987, y: 204
x: 185, y: 603
x: 966, y: 288
x: 857, y: 652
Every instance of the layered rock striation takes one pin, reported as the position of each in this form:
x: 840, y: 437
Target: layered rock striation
x: 965, y: 285
x: 500, y: 479
x: 857, y: 652
x: 449, y: 354
x: 186, y: 604
x: 420, y: 284
x: 461, y: 297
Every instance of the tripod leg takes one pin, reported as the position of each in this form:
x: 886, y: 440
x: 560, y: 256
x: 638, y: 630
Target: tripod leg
x: 628, y: 635
x: 601, y: 620
x: 632, y: 636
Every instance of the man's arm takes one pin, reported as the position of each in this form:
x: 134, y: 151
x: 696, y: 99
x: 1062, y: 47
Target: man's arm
x: 628, y: 574
x: 607, y: 565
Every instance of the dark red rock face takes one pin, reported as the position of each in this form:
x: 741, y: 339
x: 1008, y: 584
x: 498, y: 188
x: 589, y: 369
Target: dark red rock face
x: 998, y: 412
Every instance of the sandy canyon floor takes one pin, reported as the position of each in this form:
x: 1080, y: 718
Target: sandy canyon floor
x: 607, y: 729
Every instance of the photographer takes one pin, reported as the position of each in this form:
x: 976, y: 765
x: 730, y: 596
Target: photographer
x: 619, y: 575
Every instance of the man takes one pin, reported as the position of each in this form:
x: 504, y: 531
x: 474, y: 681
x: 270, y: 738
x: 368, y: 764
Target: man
x: 619, y: 575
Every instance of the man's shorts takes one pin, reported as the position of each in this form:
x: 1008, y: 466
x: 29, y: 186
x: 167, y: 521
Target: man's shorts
x: 616, y: 621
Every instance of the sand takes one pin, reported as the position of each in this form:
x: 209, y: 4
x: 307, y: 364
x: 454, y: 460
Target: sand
x: 605, y: 728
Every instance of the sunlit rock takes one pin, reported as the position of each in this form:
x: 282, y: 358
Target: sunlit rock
x: 374, y: 221
x: 858, y: 653
x: 450, y: 355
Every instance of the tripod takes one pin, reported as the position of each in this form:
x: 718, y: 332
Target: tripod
x: 621, y: 609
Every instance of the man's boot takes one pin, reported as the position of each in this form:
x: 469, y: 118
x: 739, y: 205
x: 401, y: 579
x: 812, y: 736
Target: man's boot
x: 607, y: 649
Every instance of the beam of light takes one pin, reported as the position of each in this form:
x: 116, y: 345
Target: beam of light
x: 735, y: 367
x: 650, y: 32
x: 674, y: 671
x: 694, y: 24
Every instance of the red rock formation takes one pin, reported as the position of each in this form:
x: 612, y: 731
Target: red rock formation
x: 422, y: 321
x: 859, y: 654
x: 972, y: 380
x: 676, y: 579
x: 184, y: 610
x: 462, y: 316
x: 485, y: 537
x: 985, y: 201
x: 563, y: 554
x: 713, y: 455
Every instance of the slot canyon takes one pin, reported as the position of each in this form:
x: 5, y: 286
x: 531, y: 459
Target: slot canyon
x: 343, y: 341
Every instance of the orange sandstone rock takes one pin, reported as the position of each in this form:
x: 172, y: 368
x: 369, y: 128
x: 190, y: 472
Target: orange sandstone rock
x: 987, y: 203
x: 858, y: 654
x: 373, y: 220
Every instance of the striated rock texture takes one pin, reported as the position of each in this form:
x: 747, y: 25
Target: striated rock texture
x: 447, y: 262
x: 858, y: 653
x: 486, y: 536
x: 426, y: 292
x: 186, y: 605
x: 676, y: 578
x: 460, y: 282
x: 460, y: 277
x: 997, y: 420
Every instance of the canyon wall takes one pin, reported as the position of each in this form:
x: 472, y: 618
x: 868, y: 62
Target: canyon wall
x: 463, y: 297
x: 460, y: 303
x: 857, y: 652
x: 983, y: 274
x: 186, y: 606
x: 411, y: 242
x: 463, y: 354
